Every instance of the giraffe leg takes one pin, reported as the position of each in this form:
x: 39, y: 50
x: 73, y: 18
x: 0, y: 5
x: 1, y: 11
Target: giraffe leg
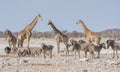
x: 18, y: 45
x: 21, y: 43
x: 58, y: 47
x: 28, y: 38
x: 28, y: 42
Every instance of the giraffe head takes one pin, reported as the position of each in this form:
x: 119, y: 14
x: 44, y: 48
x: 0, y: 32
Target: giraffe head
x: 79, y: 22
x: 39, y: 16
x: 49, y: 22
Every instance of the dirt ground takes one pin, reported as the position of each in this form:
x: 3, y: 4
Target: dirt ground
x: 59, y: 62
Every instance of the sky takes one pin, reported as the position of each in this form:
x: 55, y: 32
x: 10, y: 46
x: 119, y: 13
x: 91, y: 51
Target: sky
x: 98, y: 15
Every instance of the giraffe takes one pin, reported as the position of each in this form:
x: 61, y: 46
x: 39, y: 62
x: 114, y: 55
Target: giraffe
x: 26, y: 32
x: 92, y: 36
x: 59, y: 37
x: 12, y: 40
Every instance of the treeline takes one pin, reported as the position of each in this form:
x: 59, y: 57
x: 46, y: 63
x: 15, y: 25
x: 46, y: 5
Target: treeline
x: 48, y: 34
x: 110, y: 33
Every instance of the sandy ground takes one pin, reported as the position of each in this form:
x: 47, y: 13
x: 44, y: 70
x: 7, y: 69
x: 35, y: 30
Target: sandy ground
x: 59, y: 62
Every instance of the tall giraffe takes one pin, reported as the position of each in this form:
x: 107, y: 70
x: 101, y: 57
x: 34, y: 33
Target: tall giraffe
x: 92, y: 36
x: 26, y: 32
x: 59, y: 37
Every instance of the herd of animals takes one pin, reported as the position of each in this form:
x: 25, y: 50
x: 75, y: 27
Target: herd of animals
x: 16, y: 44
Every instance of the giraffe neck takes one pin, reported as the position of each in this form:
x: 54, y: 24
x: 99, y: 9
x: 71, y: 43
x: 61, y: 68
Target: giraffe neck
x: 55, y: 29
x: 31, y: 25
x: 86, y: 30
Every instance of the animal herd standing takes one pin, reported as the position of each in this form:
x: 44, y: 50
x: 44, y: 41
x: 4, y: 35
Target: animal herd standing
x: 79, y: 46
x: 26, y: 32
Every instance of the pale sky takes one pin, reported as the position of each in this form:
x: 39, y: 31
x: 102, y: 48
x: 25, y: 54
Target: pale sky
x: 98, y: 15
